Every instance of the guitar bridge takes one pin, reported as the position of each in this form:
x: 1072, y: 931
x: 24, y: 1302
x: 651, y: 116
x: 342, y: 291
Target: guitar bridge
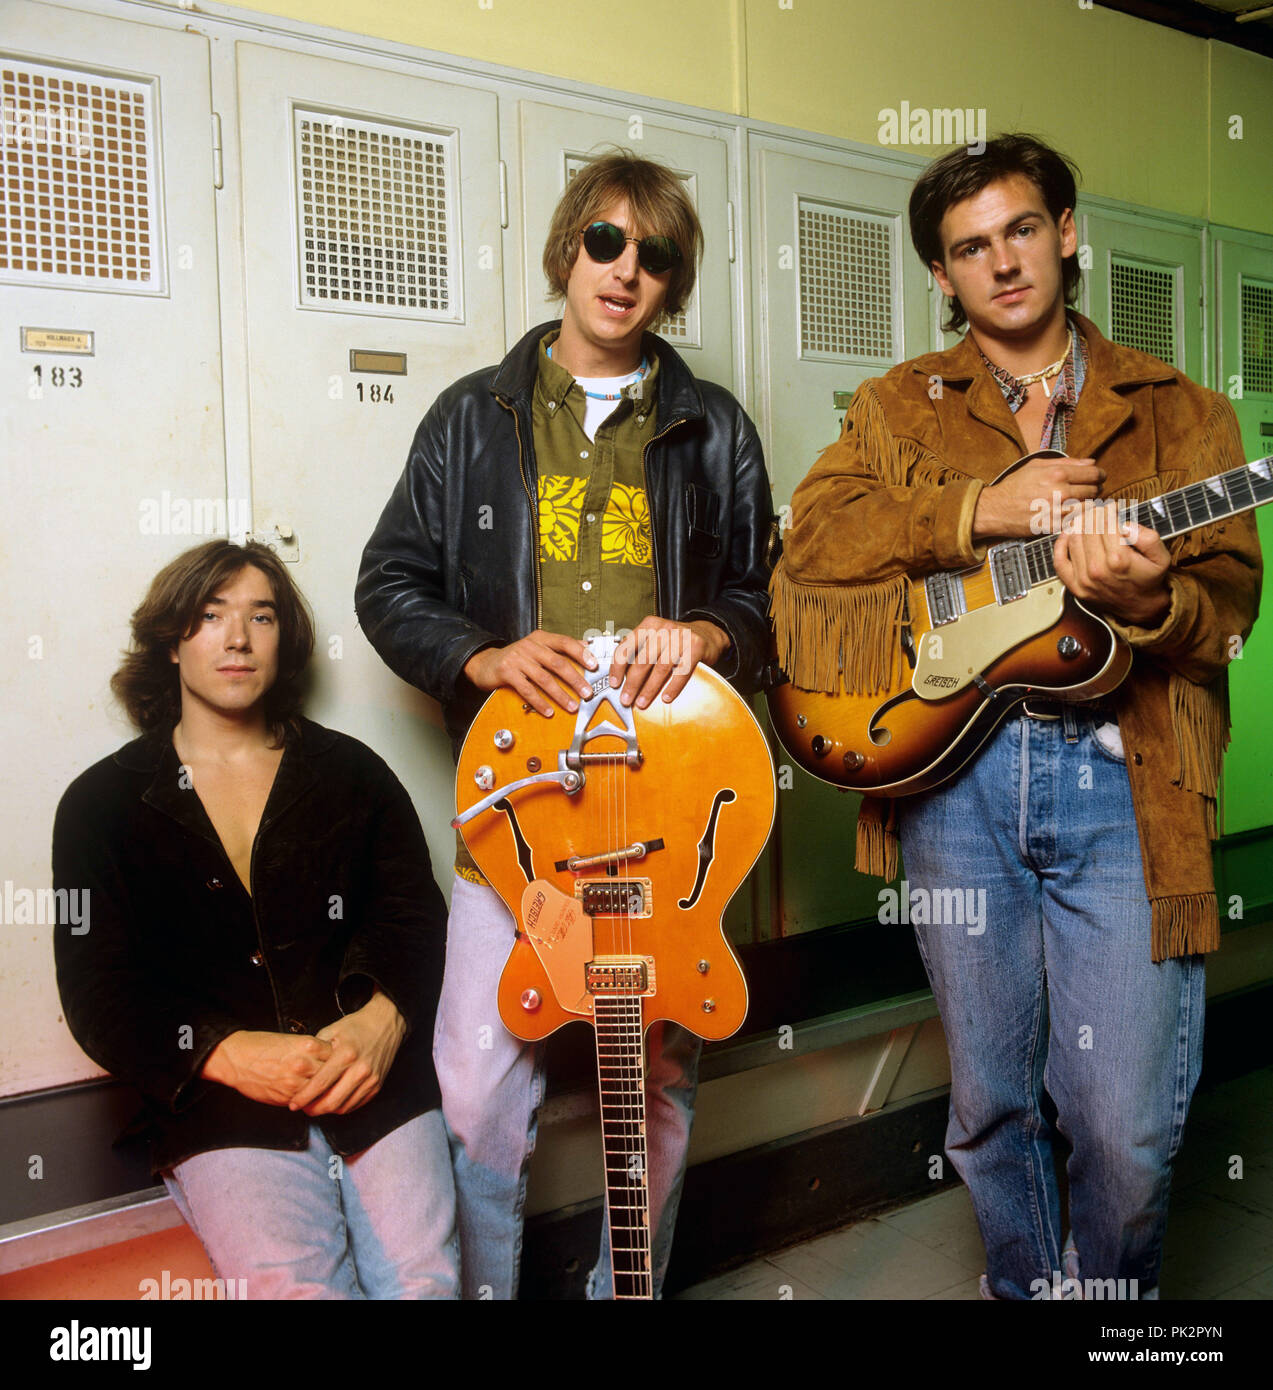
x: 620, y: 975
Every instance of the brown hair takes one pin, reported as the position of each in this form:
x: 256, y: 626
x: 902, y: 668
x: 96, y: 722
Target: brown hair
x: 960, y: 174
x: 658, y: 203
x: 147, y: 682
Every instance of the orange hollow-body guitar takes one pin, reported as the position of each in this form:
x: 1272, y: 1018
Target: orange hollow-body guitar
x: 616, y: 838
x: 976, y: 643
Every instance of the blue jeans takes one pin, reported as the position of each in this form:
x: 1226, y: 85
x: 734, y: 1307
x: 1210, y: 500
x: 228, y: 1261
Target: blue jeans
x: 309, y: 1224
x: 492, y: 1087
x: 1054, y: 987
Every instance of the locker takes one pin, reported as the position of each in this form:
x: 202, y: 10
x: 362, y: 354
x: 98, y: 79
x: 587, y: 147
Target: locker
x: 373, y: 280
x: 1144, y: 285
x: 841, y: 296
x: 112, y: 432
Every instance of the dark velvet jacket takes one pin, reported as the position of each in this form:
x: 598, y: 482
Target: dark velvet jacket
x: 442, y: 576
x: 177, y: 954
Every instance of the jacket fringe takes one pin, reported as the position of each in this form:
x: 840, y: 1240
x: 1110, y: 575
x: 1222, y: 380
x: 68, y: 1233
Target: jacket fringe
x: 877, y: 842
x: 1185, y: 926
x: 1200, y: 723
x: 1220, y: 442
x: 829, y: 632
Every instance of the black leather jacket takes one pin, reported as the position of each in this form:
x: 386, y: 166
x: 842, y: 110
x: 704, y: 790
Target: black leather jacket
x: 453, y: 565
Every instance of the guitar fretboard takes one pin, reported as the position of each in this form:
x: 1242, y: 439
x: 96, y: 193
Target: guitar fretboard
x: 621, y: 1077
x: 1174, y: 513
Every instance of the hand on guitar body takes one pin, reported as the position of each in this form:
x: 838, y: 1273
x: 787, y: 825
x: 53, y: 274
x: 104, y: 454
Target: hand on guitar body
x: 657, y: 655
x: 538, y: 667
x: 1028, y: 500
x: 660, y: 655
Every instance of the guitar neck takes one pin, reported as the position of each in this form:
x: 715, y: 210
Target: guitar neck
x: 1174, y: 513
x: 621, y: 1078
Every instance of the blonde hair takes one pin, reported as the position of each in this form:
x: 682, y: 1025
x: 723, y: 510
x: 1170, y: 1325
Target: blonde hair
x: 659, y: 206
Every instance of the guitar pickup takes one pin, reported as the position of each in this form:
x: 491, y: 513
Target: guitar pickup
x: 946, y: 601
x: 1009, y: 572
x: 615, y: 897
x: 620, y: 975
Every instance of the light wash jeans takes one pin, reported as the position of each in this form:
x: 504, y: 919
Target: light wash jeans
x: 492, y: 1087
x: 1057, y: 990
x: 296, y: 1224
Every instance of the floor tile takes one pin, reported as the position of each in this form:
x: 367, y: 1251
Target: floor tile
x: 1219, y: 1231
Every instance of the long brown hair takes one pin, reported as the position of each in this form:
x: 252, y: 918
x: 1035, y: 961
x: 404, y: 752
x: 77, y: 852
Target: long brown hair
x: 659, y: 206
x: 147, y: 682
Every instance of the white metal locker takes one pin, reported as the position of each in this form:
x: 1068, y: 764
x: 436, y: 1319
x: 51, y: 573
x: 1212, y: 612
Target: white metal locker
x: 111, y: 434
x: 1144, y: 287
x: 841, y: 295
x: 372, y: 227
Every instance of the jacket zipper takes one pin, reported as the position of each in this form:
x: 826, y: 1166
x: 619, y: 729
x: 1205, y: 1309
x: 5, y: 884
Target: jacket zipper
x: 654, y: 539
x: 534, y: 515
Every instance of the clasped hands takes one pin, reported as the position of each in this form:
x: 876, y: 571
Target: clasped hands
x: 658, y: 655
x: 334, y: 1072
x: 1105, y: 559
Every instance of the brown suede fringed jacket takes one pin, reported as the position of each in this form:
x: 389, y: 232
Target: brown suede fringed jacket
x: 894, y: 497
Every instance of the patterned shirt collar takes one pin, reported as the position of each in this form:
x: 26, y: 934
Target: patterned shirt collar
x: 1065, y: 393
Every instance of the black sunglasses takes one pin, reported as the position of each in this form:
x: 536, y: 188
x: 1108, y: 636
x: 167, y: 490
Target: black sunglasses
x: 604, y: 242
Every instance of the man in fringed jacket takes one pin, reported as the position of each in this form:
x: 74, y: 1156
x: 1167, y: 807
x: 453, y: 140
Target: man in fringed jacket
x: 1088, y: 826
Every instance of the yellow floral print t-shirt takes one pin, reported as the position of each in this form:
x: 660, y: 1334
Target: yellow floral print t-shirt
x: 596, y: 556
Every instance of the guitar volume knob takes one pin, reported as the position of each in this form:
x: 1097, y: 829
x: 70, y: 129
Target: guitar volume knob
x: 853, y: 760
x: 530, y: 1000
x: 1069, y: 646
x: 503, y: 739
x: 485, y: 777
x: 821, y: 746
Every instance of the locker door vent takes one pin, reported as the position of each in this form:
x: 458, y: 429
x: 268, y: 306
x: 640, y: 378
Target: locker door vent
x: 681, y: 329
x: 78, y: 168
x: 1257, y: 338
x: 1144, y: 312
x: 848, y: 275
x: 377, y: 210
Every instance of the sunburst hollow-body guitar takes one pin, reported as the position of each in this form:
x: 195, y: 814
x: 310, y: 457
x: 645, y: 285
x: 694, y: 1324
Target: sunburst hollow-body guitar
x: 977, y: 642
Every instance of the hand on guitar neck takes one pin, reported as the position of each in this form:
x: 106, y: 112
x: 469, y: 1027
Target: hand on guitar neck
x: 1122, y: 571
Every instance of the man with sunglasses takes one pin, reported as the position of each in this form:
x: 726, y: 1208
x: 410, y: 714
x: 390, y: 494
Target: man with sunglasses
x: 588, y: 484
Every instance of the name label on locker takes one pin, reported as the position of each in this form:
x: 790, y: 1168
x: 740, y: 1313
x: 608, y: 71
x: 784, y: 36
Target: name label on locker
x: 365, y: 360
x: 77, y: 341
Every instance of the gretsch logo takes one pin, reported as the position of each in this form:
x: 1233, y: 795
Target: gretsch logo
x: 941, y: 682
x: 533, y: 911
